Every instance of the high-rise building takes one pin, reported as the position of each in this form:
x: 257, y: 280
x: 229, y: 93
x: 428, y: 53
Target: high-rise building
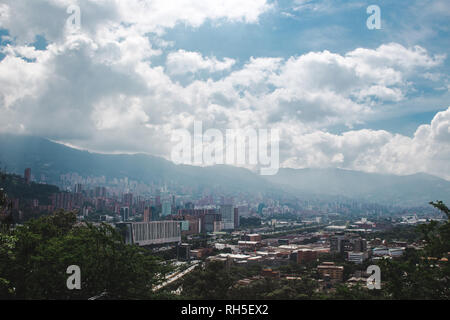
x: 243, y: 210
x: 340, y: 243
x: 236, y: 218
x: 194, y: 225
x: 27, y: 175
x: 260, y: 208
x: 166, y: 208
x: 359, y: 245
x: 226, y: 210
x: 209, y: 222
x: 218, y: 226
x: 128, y: 199
x: 184, y: 251
x: 336, y: 243
x: 147, y: 214
x: 66, y: 201
x: 101, y: 192
x: 78, y: 188
x: 125, y: 213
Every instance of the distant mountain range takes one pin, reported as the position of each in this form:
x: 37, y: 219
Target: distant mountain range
x: 53, y: 159
x: 410, y: 190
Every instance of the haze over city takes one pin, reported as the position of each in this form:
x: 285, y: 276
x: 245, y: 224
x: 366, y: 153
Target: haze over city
x: 183, y: 151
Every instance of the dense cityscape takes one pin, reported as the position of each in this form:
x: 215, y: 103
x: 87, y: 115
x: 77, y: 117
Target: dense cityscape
x: 326, y: 247
x: 225, y: 158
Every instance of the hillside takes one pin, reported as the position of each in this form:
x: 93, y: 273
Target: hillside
x: 53, y: 159
x: 409, y: 190
x: 16, y: 188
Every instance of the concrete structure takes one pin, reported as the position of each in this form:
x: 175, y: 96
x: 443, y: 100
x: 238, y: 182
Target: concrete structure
x: 128, y: 199
x: 201, y: 252
x: 200, y: 220
x: 341, y: 243
x: 227, y: 213
x: 306, y: 255
x: 124, y: 214
x: 236, y: 218
x: 194, y: 225
x: 151, y: 233
x: 249, y: 245
x: 184, y: 251
x: 147, y: 214
x: 396, y: 252
x: 184, y: 225
x: 380, y: 251
x: 329, y: 269
x: 218, y: 226
x: 356, y: 257
x: 252, y: 237
x: 166, y: 208
x: 209, y: 222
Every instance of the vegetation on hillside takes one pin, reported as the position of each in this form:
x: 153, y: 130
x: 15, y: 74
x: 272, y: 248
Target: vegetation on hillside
x: 34, y: 259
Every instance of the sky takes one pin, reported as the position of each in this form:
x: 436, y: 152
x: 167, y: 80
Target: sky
x: 341, y: 95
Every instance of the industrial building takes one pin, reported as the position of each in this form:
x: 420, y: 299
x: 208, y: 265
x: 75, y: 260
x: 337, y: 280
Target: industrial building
x: 151, y: 233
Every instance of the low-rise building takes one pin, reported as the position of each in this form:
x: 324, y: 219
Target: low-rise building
x: 249, y: 245
x: 396, y: 252
x: 201, y: 252
x: 380, y: 251
x: 356, y: 257
x: 252, y: 237
x: 329, y: 269
x: 269, y: 273
x: 306, y: 256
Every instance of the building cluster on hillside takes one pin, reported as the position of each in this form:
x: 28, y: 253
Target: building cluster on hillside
x: 252, y: 249
x: 357, y: 249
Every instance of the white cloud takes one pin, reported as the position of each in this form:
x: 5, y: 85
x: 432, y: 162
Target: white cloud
x: 99, y: 89
x: 20, y: 78
x: 26, y: 19
x: 182, y: 62
x: 324, y: 6
x: 378, y: 151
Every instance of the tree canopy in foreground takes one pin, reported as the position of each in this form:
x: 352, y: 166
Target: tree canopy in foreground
x: 34, y: 259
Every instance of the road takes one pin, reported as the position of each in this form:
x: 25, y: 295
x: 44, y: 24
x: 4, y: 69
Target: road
x: 174, y: 277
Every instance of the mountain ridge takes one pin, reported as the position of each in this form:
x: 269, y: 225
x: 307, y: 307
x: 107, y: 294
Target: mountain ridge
x: 53, y: 159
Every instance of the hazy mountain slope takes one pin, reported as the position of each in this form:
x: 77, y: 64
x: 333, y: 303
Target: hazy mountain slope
x: 405, y: 190
x: 52, y: 159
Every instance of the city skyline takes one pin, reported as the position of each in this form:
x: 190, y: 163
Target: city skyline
x: 212, y: 157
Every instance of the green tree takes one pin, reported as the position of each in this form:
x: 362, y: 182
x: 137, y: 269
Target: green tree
x: 211, y: 283
x: 422, y: 275
x: 41, y: 250
x: 6, y: 219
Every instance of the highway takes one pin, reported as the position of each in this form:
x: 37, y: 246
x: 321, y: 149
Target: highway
x: 175, y: 276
